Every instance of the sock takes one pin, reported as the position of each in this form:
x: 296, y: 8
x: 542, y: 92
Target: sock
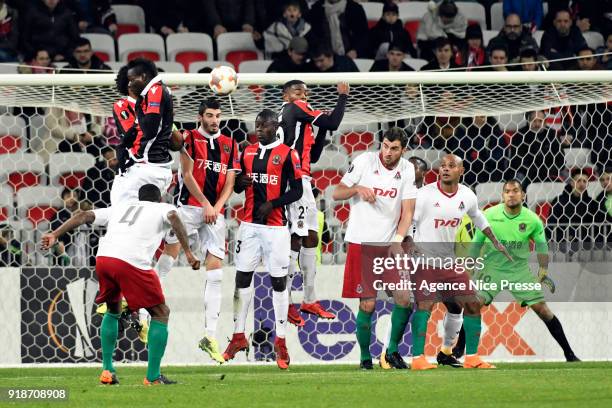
x: 419, y: 331
x: 308, y: 265
x: 452, y: 326
x: 291, y: 271
x: 387, y: 335
x: 280, y: 302
x: 164, y: 264
x: 108, y: 337
x: 472, y: 326
x: 556, y: 329
x: 212, y: 300
x: 364, y: 333
x: 143, y: 315
x: 158, y: 338
x: 241, y: 309
x: 399, y: 319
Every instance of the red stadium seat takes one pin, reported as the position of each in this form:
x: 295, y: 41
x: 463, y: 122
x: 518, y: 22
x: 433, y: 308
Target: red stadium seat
x: 6, y: 203
x: 10, y: 144
x: 412, y: 27
x: 19, y: 180
x: 127, y: 29
x: 40, y: 213
x: 353, y: 141
x: 21, y: 170
x: 151, y: 55
x: 341, y: 212
x: 69, y: 169
x: 236, y: 57
x: 130, y: 19
x: 186, y: 48
x: 187, y: 57
x: 326, y: 178
x: 431, y: 176
x: 38, y: 204
x: 146, y: 45
x: 543, y: 210
x: 237, y: 47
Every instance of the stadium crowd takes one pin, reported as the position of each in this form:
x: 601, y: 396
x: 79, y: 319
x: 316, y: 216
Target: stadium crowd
x: 331, y: 36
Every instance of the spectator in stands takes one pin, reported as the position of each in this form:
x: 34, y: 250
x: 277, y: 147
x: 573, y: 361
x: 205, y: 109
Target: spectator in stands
x: 484, y: 150
x: 514, y: 37
x: 390, y: 29
x: 606, y: 60
x: 78, y: 138
x: 340, y: 24
x: 395, y: 59
x: 10, y: 248
x: 531, y: 12
x: 72, y: 200
x: 98, y: 16
x: 537, y: 152
x: 323, y: 59
x: 574, y: 206
x: 441, y: 20
x: 50, y: 25
x: 531, y: 61
x: 473, y: 55
x: 564, y: 40
x: 604, y: 199
x: 40, y: 63
x: 292, y: 60
x: 443, y: 54
x: 83, y: 58
x: 587, y: 14
x: 9, y: 33
x: 499, y: 58
x: 587, y: 61
x: 99, y: 179
x: 222, y: 16
x: 182, y: 17
x: 279, y: 34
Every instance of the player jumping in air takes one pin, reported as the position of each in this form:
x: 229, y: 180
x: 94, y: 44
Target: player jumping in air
x: 516, y: 226
x: 438, y: 213
x: 209, y: 164
x: 123, y: 267
x: 271, y: 179
x: 381, y: 186
x: 297, y: 119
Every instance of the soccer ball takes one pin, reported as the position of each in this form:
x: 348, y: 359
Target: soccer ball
x: 223, y: 80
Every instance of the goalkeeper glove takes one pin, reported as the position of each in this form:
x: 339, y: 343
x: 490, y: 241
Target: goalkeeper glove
x: 545, y: 280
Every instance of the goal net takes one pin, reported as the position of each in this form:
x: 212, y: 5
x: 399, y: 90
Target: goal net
x: 551, y: 130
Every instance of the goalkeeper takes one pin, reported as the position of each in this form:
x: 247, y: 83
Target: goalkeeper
x: 516, y: 226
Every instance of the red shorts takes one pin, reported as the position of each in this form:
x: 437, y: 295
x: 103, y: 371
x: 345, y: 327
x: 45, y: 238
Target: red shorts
x: 141, y: 288
x: 359, y: 279
x: 441, y: 278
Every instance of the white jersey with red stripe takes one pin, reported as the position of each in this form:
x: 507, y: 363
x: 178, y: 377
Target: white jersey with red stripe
x: 438, y: 215
x: 377, y: 222
x: 134, y: 231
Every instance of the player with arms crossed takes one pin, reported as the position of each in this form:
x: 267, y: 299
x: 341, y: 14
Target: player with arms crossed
x: 439, y: 210
x: 123, y: 267
x: 297, y: 119
x: 271, y: 179
x: 378, y: 217
x: 516, y: 226
x: 209, y: 164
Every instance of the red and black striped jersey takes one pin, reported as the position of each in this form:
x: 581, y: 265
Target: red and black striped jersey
x: 271, y: 167
x: 213, y: 156
x: 296, y: 123
x: 152, y: 143
x: 125, y: 115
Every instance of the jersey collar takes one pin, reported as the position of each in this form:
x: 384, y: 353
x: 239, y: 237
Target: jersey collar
x: 131, y: 100
x: 511, y: 217
x: 451, y: 195
x: 150, y: 84
x: 208, y: 136
x: 271, y: 146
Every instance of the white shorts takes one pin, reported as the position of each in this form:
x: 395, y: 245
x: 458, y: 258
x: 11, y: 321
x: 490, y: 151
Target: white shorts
x: 125, y: 187
x: 302, y: 214
x: 208, y: 238
x: 256, y: 242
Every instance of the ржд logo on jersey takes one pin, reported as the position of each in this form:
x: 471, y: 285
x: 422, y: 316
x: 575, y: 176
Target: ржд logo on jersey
x: 263, y: 178
x: 439, y: 222
x: 392, y: 193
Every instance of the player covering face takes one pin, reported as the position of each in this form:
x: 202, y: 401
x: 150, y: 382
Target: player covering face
x: 381, y: 186
x: 209, y: 162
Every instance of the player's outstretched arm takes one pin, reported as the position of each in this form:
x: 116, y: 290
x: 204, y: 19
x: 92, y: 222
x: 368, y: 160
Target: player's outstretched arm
x: 498, y: 245
x: 343, y: 192
x: 332, y: 120
x: 192, y: 187
x: 226, y: 192
x: 85, y: 217
x: 181, y: 235
x: 405, y: 221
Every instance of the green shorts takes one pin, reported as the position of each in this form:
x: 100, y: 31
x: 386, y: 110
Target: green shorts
x: 522, y: 283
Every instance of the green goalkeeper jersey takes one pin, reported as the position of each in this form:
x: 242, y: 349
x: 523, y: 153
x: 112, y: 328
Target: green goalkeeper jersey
x: 515, y: 233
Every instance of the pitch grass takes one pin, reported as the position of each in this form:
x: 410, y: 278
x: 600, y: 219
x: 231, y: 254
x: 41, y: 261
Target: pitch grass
x: 585, y: 385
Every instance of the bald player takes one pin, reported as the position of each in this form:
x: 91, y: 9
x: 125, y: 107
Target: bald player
x: 440, y: 207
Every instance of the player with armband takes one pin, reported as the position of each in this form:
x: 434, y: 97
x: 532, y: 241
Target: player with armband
x: 123, y: 269
x: 517, y: 226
